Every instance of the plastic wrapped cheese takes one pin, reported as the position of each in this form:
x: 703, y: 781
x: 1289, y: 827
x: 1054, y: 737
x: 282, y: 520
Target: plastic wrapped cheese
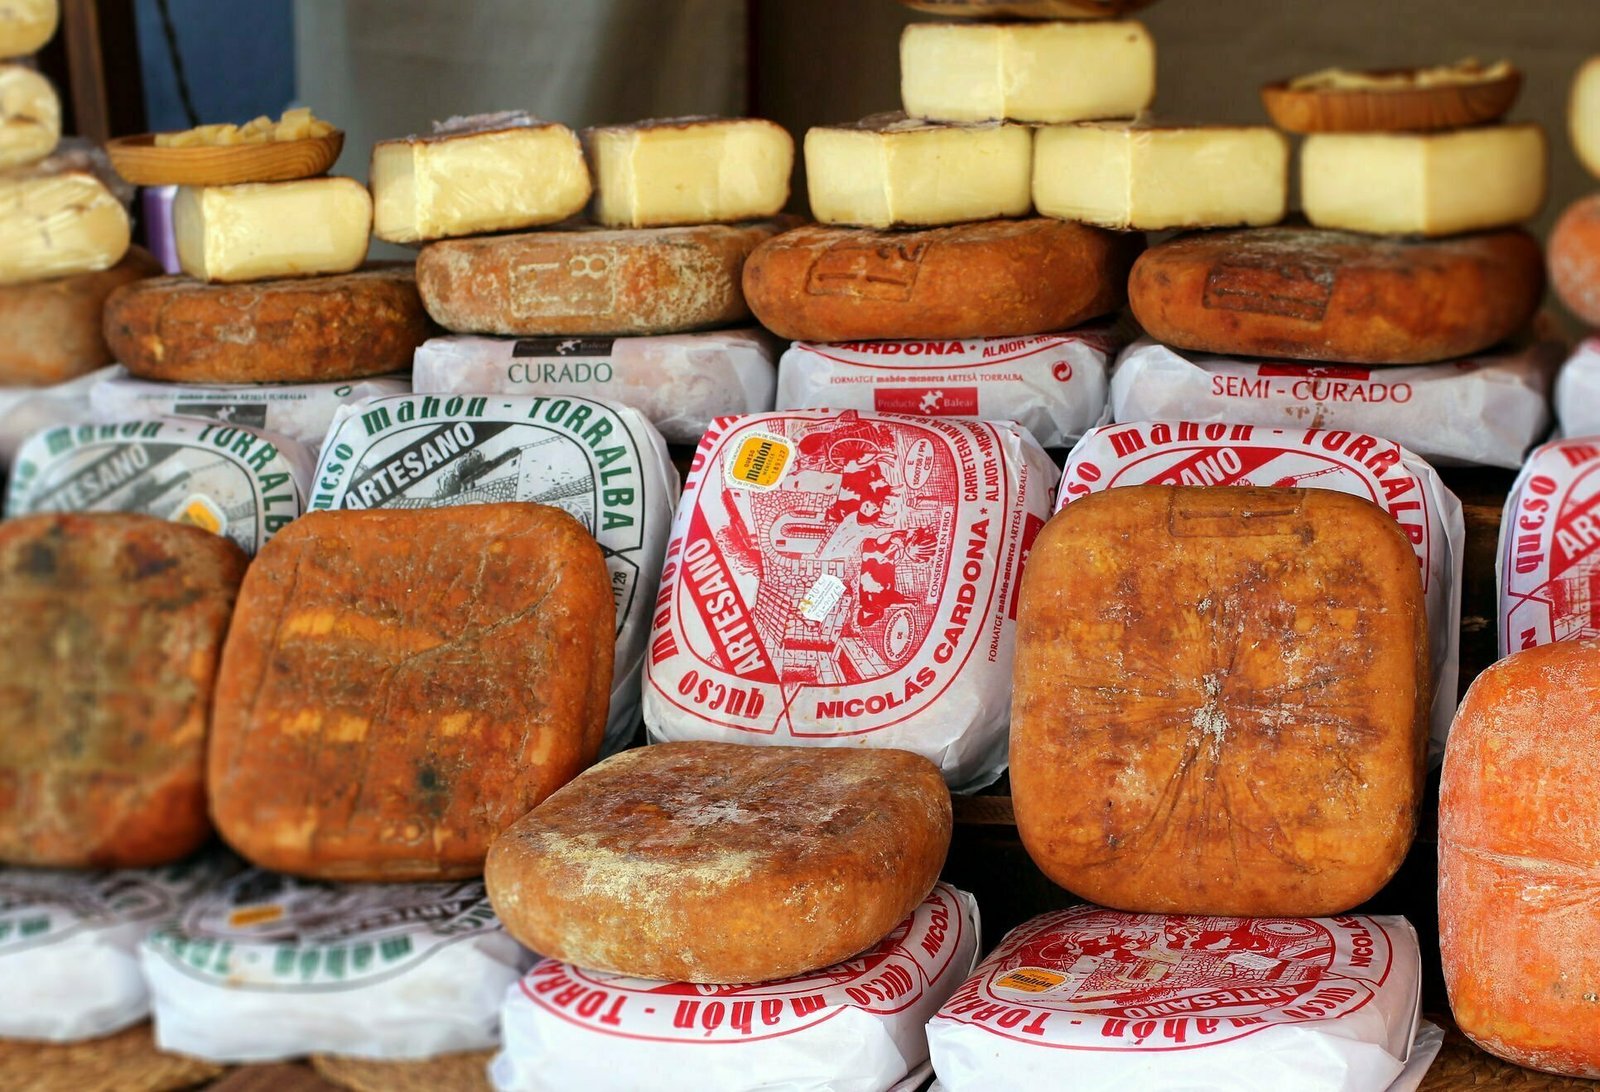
x: 1186, y: 453
x: 1578, y: 391
x: 847, y: 579
x: 857, y: 1025
x: 681, y: 382
x: 228, y: 479
x: 601, y: 462
x: 1092, y: 999
x: 300, y: 411
x: 1483, y: 411
x: 1548, y: 566
x: 265, y: 966
x: 1054, y: 385
x: 26, y: 410
x: 69, y: 961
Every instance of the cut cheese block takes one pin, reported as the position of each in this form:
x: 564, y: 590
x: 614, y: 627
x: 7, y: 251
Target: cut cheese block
x: 1303, y: 294
x: 716, y: 863
x: 1029, y: 9
x: 857, y: 1024
x: 1518, y: 818
x: 602, y: 463
x: 315, y: 330
x: 1376, y: 470
x: 1424, y: 183
x: 264, y: 967
x: 497, y: 172
x: 1575, y: 259
x: 26, y: 25
x: 55, y: 225
x: 1007, y: 278
x: 1154, y: 177
x: 1583, y: 115
x: 1258, y: 729
x: 1484, y: 410
x: 299, y: 411
x: 1092, y: 998
x: 50, y: 330
x: 1547, y: 564
x: 261, y: 230
x: 112, y: 626
x: 848, y: 580
x: 1577, y: 397
x: 237, y: 482
x: 591, y: 282
x: 680, y: 382
x: 689, y: 171
x: 491, y: 629
x: 30, y: 115
x: 1053, y: 385
x: 1038, y: 72
x: 889, y: 170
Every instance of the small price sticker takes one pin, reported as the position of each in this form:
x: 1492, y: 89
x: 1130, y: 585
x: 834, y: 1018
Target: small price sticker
x: 824, y: 595
x: 759, y: 461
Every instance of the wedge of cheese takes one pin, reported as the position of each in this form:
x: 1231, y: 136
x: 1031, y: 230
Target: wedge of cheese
x: 496, y: 172
x: 30, y: 116
x: 1583, y: 115
x: 58, y: 224
x: 1152, y: 177
x: 889, y: 170
x: 1424, y: 183
x: 26, y: 25
x: 262, y: 230
x: 689, y: 171
x: 1042, y: 72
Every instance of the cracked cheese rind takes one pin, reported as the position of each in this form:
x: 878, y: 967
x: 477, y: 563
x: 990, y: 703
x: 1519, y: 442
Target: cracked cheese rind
x: 689, y: 171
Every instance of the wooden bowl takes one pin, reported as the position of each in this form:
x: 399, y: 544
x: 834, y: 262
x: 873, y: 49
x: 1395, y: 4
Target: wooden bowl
x: 137, y: 159
x: 1410, y: 109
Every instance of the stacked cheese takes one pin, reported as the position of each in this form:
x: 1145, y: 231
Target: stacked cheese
x: 612, y: 309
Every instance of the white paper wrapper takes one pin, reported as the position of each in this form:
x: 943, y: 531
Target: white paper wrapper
x: 681, y: 382
x: 1548, y: 565
x: 300, y: 411
x: 854, y: 1027
x: 26, y: 410
x: 1578, y: 391
x: 1054, y: 385
x: 601, y: 462
x: 69, y: 945
x: 1102, y: 1000
x: 844, y: 579
x: 264, y: 967
x: 1186, y: 453
x: 1485, y: 411
x: 228, y: 479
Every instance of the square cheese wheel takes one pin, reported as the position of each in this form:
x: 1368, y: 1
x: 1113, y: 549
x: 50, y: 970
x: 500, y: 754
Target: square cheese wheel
x: 1221, y: 700
x: 400, y: 685
x: 112, y: 626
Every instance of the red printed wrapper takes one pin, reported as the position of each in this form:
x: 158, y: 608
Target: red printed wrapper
x: 1186, y: 453
x: 845, y: 579
x: 858, y: 1025
x: 1098, y: 999
x: 1548, y: 566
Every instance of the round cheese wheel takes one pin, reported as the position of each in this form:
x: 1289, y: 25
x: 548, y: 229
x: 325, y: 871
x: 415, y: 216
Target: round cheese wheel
x: 1307, y: 294
x: 50, y: 330
x: 1575, y: 258
x: 1519, y: 834
x: 302, y: 330
x: 716, y: 863
x: 591, y: 281
x: 997, y: 278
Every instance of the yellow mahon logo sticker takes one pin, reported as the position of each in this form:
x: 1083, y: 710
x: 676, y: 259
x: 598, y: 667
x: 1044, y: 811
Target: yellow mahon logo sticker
x: 202, y: 512
x: 246, y: 916
x: 1030, y: 980
x: 759, y: 462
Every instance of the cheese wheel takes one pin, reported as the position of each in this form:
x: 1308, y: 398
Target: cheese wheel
x: 50, y: 331
x: 689, y: 171
x: 30, y: 115
x: 1304, y: 294
x: 591, y: 281
x: 715, y: 863
x: 26, y: 25
x: 1250, y: 666
x: 112, y: 626
x: 55, y: 225
x: 1574, y: 258
x: 1005, y: 278
x: 1518, y: 816
x: 399, y: 686
x: 309, y: 330
x: 1583, y: 115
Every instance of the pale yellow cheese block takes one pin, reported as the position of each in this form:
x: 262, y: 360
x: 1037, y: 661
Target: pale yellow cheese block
x: 30, y: 116
x: 887, y: 170
x: 261, y: 230
x: 1152, y: 177
x: 689, y: 171
x: 1583, y: 115
x: 54, y: 225
x: 478, y: 178
x: 1039, y: 72
x: 26, y: 25
x: 1424, y: 183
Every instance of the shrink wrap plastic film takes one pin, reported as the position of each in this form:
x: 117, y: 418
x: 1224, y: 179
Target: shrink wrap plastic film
x: 1547, y: 567
x: 27, y: 410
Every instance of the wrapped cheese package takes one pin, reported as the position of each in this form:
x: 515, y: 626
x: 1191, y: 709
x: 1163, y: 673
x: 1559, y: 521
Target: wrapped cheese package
x: 1548, y: 568
x: 1577, y: 395
x: 27, y: 410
